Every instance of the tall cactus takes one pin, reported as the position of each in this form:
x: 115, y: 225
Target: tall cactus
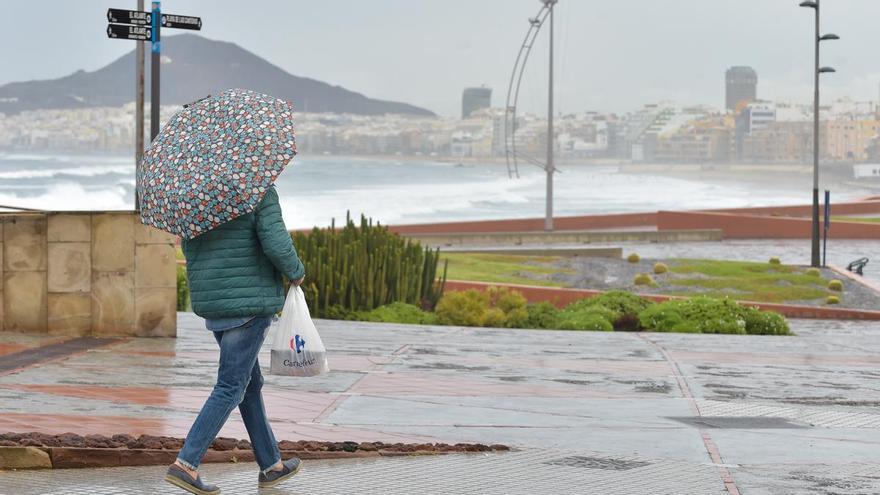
x: 361, y: 267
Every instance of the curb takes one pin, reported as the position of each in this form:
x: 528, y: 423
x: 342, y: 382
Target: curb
x: 562, y: 296
x: 80, y: 458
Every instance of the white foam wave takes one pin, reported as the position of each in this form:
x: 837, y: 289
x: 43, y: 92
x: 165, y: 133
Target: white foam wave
x: 69, y: 196
x: 86, y: 171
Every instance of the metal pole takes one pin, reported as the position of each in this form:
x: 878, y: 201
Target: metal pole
x: 826, y: 226
x: 138, y: 108
x: 154, y: 72
x: 814, y: 259
x: 548, y: 220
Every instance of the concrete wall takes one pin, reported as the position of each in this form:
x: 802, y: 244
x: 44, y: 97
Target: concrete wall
x: 738, y: 226
x: 567, y: 237
x: 80, y: 274
x: 585, y: 222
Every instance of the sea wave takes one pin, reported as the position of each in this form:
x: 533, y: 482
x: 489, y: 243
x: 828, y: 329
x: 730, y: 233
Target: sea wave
x: 71, y: 196
x: 83, y: 171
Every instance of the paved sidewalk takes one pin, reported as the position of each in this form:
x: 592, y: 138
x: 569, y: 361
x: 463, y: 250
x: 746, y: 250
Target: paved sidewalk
x: 588, y: 412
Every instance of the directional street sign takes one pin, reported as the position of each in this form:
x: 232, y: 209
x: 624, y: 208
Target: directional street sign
x: 136, y: 17
x: 123, y: 32
x: 181, y: 22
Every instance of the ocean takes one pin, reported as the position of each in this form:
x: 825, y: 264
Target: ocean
x: 314, y: 190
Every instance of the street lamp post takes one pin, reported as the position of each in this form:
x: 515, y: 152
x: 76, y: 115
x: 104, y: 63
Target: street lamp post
x: 815, y: 259
x: 548, y: 216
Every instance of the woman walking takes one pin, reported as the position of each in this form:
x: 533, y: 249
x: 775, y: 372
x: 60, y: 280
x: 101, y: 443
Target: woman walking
x: 235, y: 281
x: 208, y: 177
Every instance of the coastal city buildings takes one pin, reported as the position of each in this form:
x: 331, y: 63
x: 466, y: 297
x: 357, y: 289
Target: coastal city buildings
x: 759, y: 132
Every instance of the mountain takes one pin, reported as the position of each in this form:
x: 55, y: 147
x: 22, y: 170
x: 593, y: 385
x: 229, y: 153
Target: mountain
x: 192, y: 67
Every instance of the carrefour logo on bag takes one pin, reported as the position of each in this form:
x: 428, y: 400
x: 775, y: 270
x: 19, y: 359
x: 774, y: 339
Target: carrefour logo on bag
x: 297, y: 343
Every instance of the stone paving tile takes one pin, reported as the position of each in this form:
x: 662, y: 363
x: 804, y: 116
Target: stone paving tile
x: 615, y: 396
x: 819, y: 417
x: 309, y: 405
x: 529, y: 472
x: 809, y: 479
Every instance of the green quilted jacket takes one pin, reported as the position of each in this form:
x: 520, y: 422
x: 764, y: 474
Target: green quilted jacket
x: 235, y: 270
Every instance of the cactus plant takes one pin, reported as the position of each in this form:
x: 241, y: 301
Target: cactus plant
x: 644, y: 279
x: 832, y: 300
x: 835, y: 285
x: 362, y: 267
x: 813, y: 272
x: 633, y: 258
x: 660, y: 268
x: 775, y: 261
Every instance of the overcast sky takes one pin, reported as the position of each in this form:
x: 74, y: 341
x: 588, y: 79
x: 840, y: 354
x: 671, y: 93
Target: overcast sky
x: 612, y: 55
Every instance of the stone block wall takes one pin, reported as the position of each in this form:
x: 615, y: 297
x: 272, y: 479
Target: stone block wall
x: 81, y: 274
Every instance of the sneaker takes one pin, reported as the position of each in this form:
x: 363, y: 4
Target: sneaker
x: 272, y: 478
x: 179, y: 478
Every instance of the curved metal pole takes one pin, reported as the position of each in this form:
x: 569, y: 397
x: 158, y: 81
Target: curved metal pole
x: 513, y: 91
x: 508, y: 109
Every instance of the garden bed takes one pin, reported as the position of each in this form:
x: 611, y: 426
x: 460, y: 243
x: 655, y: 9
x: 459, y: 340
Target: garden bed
x: 69, y: 450
x: 738, y: 280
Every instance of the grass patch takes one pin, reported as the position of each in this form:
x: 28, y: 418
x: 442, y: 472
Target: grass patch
x: 856, y: 219
x: 502, y: 268
x: 748, y: 281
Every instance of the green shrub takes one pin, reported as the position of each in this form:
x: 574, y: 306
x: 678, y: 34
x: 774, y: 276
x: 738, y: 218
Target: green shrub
x: 618, y: 301
x: 710, y: 315
x: 362, y: 267
x: 835, y: 285
x: 467, y: 308
x: 495, y: 317
x: 506, y: 299
x: 517, y: 318
x: 813, y: 272
x: 765, y: 323
x: 633, y: 258
x: 775, y: 261
x: 644, y: 279
x: 703, y: 314
x: 574, y: 317
x: 832, y: 300
x: 400, y: 313
x: 338, y: 312
x: 578, y: 308
x: 183, y: 302
x: 584, y: 321
x: 542, y: 315
x: 660, y: 268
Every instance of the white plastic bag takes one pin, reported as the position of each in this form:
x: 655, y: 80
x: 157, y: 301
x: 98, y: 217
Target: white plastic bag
x: 297, y: 349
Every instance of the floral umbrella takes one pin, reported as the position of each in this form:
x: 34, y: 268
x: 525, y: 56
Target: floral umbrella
x: 213, y: 161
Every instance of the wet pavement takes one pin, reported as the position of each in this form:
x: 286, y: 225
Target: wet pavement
x: 586, y: 412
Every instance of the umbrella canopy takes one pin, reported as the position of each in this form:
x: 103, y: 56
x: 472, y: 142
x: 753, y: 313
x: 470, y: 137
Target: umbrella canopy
x: 213, y: 161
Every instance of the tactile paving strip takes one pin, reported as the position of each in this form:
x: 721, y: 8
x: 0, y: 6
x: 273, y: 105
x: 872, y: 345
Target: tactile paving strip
x: 521, y: 472
x: 820, y: 418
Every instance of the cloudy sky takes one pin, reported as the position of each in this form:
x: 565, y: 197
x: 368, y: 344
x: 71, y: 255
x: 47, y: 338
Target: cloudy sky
x: 612, y: 55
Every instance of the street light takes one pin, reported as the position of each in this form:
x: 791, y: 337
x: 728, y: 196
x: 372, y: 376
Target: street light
x: 814, y: 4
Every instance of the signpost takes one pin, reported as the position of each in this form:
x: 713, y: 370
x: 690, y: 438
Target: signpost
x: 140, y: 25
x: 181, y: 22
x: 135, y: 17
x: 137, y: 33
x: 155, y: 61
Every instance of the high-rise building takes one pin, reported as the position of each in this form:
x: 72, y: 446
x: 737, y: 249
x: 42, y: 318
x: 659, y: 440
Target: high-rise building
x: 474, y: 99
x: 741, y: 84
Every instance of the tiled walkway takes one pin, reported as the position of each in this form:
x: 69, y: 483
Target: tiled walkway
x: 589, y: 412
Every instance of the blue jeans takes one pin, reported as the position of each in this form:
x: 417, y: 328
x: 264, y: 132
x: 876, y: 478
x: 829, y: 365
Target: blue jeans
x: 239, y: 382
